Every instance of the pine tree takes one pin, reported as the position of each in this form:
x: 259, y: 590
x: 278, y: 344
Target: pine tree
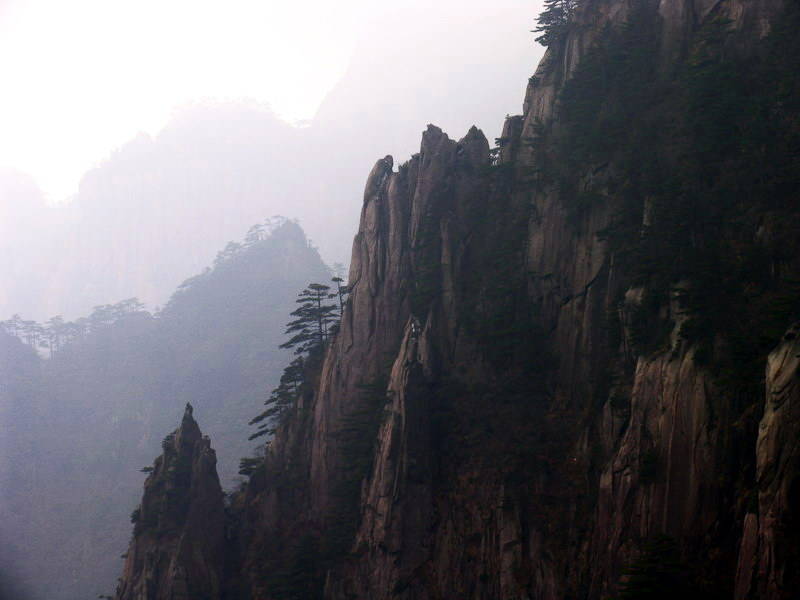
x: 248, y: 465
x: 341, y: 293
x: 554, y: 20
x: 309, y: 330
x: 255, y: 234
x: 313, y: 323
x: 280, y: 400
x: 54, y: 329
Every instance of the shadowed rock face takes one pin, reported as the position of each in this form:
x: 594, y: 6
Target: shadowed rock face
x: 487, y: 424
x: 769, y: 551
x: 177, y: 550
x: 446, y: 513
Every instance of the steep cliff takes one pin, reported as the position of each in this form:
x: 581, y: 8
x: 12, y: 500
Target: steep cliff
x: 550, y: 372
x: 177, y: 549
x: 769, y: 548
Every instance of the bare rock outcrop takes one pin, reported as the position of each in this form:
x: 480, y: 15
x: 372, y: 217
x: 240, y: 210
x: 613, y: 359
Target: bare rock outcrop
x: 769, y: 551
x: 178, y: 545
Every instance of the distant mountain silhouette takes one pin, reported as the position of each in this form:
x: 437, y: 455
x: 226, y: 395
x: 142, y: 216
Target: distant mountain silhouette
x: 76, y: 429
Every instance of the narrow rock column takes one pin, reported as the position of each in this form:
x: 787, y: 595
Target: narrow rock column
x: 177, y: 550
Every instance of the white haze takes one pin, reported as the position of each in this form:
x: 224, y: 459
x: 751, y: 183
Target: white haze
x: 82, y: 77
x: 151, y: 116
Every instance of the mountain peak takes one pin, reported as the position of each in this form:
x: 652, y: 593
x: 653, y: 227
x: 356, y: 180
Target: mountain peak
x: 179, y: 527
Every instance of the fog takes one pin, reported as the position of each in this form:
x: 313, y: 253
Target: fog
x: 151, y: 208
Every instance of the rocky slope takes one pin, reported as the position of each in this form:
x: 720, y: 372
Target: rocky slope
x: 552, y: 363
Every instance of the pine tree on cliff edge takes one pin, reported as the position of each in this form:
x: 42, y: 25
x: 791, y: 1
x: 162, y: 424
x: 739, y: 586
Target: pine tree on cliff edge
x: 554, y: 20
x: 309, y: 330
x: 315, y: 321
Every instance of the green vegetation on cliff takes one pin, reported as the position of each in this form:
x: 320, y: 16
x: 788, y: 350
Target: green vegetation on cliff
x: 705, y: 163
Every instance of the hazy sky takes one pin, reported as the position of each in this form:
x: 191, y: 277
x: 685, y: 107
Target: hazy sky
x: 79, y: 78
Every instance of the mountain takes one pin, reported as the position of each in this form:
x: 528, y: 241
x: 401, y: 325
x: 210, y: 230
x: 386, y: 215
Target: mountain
x: 153, y: 212
x: 78, y: 426
x: 179, y: 532
x: 19, y: 374
x: 27, y: 225
x: 452, y: 74
x: 567, y: 367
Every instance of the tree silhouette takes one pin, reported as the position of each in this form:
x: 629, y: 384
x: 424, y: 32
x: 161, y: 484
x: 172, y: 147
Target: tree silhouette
x: 280, y: 400
x: 342, y: 292
x: 255, y: 234
x: 314, y: 321
x: 553, y: 22
x: 309, y: 330
x: 55, y: 331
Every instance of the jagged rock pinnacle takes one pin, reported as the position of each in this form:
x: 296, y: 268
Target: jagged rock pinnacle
x: 179, y: 527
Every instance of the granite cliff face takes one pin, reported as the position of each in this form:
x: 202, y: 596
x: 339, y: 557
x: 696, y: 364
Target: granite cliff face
x: 769, y: 549
x: 547, y: 360
x: 178, y: 544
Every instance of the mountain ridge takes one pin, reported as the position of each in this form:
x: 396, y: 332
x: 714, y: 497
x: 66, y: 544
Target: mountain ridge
x: 78, y: 426
x: 549, y: 380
